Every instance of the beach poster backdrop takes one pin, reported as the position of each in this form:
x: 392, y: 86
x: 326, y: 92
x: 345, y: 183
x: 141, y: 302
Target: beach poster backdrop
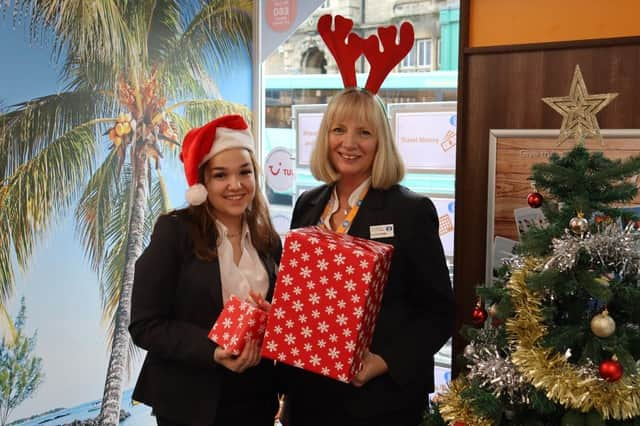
x: 90, y: 120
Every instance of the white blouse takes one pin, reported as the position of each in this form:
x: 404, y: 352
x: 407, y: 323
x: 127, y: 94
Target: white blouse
x: 335, y: 203
x: 248, y: 274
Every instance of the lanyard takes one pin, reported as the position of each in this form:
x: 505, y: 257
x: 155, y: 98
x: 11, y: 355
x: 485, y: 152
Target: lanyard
x: 344, y: 226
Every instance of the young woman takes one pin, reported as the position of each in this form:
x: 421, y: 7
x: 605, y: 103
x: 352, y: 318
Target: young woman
x: 356, y: 157
x: 222, y: 244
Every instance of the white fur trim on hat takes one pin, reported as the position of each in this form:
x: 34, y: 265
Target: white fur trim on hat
x: 196, y: 194
x: 228, y: 139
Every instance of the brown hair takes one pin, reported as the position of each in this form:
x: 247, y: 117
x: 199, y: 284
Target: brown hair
x: 205, y: 232
x: 387, y: 168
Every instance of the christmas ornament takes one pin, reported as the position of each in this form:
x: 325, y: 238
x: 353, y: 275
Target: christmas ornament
x: 497, y: 373
x: 579, y: 225
x: 612, y: 247
x: 534, y: 199
x: 479, y: 315
x: 598, y: 219
x: 579, y: 109
x: 602, y: 325
x: 610, y: 370
x: 493, y: 310
x: 493, y: 313
x: 469, y: 351
x: 454, y: 408
x: 550, y: 371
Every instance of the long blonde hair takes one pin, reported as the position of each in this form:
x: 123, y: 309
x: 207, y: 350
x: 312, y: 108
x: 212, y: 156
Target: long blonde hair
x: 388, y: 167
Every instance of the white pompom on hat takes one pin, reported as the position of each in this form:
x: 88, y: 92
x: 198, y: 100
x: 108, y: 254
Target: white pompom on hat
x: 203, y: 143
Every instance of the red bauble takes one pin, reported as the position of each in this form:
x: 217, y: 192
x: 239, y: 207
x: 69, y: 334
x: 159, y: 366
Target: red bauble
x: 611, y: 370
x: 534, y: 199
x: 479, y: 315
x: 459, y: 424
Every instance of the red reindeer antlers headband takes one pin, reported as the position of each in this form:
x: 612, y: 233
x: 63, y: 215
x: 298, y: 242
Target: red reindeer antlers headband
x: 346, y: 47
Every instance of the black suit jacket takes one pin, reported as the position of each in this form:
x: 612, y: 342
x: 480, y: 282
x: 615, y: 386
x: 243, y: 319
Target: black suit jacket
x: 176, y: 300
x: 415, y: 320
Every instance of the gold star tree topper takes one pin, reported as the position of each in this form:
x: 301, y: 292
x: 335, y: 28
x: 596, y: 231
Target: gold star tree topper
x: 579, y: 109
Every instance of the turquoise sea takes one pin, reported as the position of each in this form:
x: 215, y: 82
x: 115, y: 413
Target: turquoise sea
x: 140, y: 414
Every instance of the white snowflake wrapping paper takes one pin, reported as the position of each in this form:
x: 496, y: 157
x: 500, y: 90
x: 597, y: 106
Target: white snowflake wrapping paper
x: 238, y: 322
x: 326, y: 301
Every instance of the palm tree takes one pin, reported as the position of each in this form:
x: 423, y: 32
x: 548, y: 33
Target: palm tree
x: 136, y: 77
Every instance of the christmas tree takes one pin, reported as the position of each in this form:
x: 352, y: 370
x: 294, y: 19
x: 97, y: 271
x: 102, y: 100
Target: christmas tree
x: 556, y: 336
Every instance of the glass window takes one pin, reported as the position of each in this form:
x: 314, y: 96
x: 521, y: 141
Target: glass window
x: 419, y: 58
x: 300, y: 76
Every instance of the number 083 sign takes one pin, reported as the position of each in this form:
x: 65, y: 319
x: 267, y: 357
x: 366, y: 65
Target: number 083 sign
x: 280, y: 14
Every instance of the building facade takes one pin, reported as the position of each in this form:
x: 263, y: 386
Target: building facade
x: 304, y: 57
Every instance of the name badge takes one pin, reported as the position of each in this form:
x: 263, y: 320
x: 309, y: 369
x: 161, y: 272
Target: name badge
x: 381, y: 231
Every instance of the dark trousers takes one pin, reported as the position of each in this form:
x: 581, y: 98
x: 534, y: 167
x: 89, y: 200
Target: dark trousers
x: 163, y: 421
x: 232, y: 415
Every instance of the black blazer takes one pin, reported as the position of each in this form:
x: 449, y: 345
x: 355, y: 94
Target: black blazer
x: 176, y: 300
x: 415, y: 320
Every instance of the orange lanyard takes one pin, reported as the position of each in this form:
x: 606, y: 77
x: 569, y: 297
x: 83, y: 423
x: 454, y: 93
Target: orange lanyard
x: 346, y: 223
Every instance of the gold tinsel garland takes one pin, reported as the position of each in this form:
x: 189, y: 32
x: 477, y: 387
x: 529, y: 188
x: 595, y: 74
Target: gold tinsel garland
x: 454, y: 408
x: 547, y: 370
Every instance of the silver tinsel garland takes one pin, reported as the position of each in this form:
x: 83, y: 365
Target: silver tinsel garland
x: 613, y: 247
x: 493, y: 371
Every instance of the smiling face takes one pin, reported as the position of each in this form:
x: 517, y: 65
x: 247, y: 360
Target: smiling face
x: 352, y: 148
x: 231, y: 185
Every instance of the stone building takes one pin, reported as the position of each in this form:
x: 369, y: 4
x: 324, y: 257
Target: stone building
x: 305, y: 53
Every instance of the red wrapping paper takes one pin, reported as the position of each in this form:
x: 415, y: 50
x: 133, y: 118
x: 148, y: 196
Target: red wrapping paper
x: 326, y: 301
x: 238, y: 322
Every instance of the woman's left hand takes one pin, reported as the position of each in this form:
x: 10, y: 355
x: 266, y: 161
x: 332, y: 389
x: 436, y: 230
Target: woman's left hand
x: 249, y: 357
x: 259, y: 301
x: 372, y: 366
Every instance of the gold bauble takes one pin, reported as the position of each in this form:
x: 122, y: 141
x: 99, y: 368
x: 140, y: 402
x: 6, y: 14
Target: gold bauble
x: 493, y: 310
x: 603, y: 325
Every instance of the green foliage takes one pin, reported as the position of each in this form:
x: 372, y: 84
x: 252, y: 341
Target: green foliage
x: 20, y: 370
x: 432, y: 417
x: 578, y: 181
x: 594, y: 286
x: 573, y: 418
x: 539, y: 402
x: 483, y: 402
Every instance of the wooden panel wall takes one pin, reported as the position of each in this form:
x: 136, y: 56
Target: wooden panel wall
x: 501, y: 88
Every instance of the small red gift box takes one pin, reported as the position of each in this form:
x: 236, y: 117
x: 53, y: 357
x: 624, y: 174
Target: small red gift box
x: 238, y: 322
x: 326, y: 301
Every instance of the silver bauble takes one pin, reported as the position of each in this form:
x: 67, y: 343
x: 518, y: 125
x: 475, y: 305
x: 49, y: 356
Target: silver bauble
x: 579, y: 225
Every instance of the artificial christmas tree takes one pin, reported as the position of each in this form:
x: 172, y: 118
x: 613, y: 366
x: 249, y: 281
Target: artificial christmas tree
x: 562, y: 346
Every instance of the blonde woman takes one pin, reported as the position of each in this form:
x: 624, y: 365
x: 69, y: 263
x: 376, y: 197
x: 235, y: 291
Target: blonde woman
x: 356, y: 157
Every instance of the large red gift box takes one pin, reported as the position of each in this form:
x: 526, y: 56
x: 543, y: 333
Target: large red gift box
x: 238, y: 322
x: 326, y: 301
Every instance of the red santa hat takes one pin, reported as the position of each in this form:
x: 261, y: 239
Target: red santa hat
x: 203, y: 143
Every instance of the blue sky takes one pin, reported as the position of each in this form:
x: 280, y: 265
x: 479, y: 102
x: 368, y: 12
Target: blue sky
x: 61, y: 291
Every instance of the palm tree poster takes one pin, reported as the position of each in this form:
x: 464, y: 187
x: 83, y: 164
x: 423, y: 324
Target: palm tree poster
x: 95, y: 97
